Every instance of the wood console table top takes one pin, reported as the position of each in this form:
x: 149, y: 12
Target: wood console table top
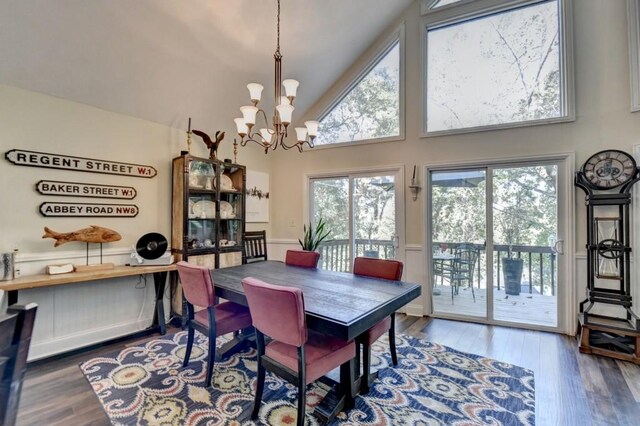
x: 45, y: 280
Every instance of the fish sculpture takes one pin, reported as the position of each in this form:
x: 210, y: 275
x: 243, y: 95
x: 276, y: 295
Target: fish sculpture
x: 92, y: 234
x: 213, y: 146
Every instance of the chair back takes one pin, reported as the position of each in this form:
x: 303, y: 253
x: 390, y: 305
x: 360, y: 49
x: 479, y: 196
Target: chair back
x: 465, y: 261
x: 16, y: 327
x: 254, y: 246
x: 378, y: 268
x: 197, y: 284
x: 303, y: 258
x: 277, y: 311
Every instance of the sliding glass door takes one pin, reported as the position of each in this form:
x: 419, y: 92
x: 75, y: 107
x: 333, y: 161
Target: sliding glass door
x: 360, y: 209
x: 495, y: 247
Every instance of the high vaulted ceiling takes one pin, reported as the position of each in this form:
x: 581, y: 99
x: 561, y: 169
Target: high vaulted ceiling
x: 163, y: 60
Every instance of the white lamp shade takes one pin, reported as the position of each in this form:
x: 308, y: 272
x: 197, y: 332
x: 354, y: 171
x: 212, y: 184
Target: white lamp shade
x: 284, y: 100
x: 241, y: 126
x: 312, y: 127
x: 301, y: 134
x: 266, y: 135
x: 249, y: 114
x: 285, y: 112
x: 290, y: 87
x: 255, y: 91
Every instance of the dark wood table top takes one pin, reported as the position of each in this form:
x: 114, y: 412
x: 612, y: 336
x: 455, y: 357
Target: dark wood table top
x: 337, y: 303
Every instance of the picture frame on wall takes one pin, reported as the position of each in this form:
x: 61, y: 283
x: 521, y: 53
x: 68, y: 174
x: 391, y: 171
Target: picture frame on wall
x: 257, y: 192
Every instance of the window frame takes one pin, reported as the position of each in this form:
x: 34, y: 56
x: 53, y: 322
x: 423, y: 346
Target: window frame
x: 388, y: 43
x: 633, y: 25
x: 467, y: 10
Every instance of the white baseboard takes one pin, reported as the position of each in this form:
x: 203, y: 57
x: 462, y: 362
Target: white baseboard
x: 413, y: 310
x: 67, y: 343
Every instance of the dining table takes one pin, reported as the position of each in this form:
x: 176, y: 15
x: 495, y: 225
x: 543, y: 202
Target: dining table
x: 340, y: 304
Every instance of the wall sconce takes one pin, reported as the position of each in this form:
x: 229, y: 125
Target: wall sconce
x: 414, y: 187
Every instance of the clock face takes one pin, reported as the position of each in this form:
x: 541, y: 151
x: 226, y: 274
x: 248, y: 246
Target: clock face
x: 609, y: 169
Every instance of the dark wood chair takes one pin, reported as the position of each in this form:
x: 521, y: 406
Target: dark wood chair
x: 298, y: 355
x: 254, y: 246
x: 388, y: 270
x: 302, y: 258
x: 463, y: 268
x: 16, y: 327
x: 217, y: 319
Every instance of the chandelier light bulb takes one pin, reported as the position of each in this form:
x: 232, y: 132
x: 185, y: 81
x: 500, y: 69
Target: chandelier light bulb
x: 242, y: 127
x: 249, y: 114
x: 290, y: 87
x: 312, y: 128
x: 255, y: 92
x: 284, y: 100
x: 285, y: 112
x: 266, y: 135
x: 301, y: 134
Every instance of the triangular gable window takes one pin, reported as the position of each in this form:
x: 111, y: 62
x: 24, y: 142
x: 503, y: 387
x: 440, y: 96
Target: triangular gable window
x: 370, y: 109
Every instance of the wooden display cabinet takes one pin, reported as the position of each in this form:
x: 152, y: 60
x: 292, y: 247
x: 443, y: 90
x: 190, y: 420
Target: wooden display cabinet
x: 208, y: 211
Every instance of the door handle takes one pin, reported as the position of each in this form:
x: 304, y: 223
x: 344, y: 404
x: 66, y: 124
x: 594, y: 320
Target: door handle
x: 558, y: 247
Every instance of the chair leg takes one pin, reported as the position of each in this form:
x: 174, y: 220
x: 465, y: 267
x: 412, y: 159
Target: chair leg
x: 346, y: 383
x: 212, y: 345
x: 472, y: 291
x: 366, y: 367
x: 302, y: 387
x: 187, y: 353
x: 260, y: 378
x: 392, y: 340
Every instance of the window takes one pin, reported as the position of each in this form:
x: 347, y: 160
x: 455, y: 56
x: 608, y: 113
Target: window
x: 500, y: 69
x: 371, y: 107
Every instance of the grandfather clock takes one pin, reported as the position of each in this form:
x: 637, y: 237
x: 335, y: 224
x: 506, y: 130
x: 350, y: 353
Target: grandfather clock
x: 607, y: 178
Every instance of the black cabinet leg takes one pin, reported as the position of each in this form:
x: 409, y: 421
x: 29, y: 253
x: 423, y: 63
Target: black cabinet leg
x: 12, y: 297
x: 159, y: 281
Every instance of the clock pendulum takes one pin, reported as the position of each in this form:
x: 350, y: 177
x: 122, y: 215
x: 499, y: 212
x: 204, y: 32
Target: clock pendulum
x: 609, y: 256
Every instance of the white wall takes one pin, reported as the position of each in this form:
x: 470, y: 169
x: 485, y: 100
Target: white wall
x: 79, y: 314
x: 603, y: 121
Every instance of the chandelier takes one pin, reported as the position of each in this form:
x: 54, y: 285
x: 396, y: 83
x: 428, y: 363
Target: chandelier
x: 270, y: 137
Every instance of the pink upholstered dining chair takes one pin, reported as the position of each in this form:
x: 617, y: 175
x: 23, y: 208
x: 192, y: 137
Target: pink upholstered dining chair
x: 216, y: 319
x: 303, y: 258
x: 298, y: 355
x: 388, y: 270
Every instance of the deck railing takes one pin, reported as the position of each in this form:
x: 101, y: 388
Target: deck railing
x: 539, y: 261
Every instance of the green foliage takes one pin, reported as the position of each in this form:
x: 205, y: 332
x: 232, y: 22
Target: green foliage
x: 313, y: 236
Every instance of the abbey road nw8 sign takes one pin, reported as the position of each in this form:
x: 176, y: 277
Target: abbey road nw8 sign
x: 80, y: 164
x: 77, y: 189
x: 88, y: 210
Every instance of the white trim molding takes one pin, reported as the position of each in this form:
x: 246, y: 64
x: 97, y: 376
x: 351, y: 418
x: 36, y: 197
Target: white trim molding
x: 633, y: 25
x: 468, y: 10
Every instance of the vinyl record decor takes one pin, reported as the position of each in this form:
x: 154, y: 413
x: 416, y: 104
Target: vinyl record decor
x: 152, y: 245
x: 607, y: 178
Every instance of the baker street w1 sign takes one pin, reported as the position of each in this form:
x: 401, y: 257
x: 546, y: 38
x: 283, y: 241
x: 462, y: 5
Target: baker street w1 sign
x: 80, y: 164
x: 78, y: 189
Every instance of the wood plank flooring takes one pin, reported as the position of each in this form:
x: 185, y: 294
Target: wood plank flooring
x: 571, y: 388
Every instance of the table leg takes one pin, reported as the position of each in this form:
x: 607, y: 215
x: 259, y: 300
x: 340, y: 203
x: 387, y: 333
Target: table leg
x: 12, y: 297
x: 159, y: 322
x: 246, y: 338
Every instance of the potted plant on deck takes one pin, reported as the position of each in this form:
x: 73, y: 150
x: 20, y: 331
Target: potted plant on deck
x: 514, y: 221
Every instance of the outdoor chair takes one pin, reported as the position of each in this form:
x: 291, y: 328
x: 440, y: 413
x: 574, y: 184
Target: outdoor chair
x: 388, y: 270
x: 216, y: 320
x: 295, y: 353
x: 302, y: 258
x: 254, y: 248
x: 463, y: 268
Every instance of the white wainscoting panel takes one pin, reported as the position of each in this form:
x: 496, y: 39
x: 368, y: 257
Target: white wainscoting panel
x: 80, y: 314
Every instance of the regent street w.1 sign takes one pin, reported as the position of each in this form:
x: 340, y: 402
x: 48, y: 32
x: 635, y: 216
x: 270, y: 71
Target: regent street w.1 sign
x: 78, y: 189
x: 80, y: 164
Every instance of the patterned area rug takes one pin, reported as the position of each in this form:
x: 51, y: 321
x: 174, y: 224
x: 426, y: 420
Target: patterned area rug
x: 432, y: 385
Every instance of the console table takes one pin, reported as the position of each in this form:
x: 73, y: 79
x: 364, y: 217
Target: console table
x: 43, y: 280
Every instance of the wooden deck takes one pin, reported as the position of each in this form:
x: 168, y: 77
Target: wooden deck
x: 525, y: 308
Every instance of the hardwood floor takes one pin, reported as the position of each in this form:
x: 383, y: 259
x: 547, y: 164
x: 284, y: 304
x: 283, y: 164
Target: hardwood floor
x: 571, y: 388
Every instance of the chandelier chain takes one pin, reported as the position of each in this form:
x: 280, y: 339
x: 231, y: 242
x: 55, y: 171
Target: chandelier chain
x: 278, y: 29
